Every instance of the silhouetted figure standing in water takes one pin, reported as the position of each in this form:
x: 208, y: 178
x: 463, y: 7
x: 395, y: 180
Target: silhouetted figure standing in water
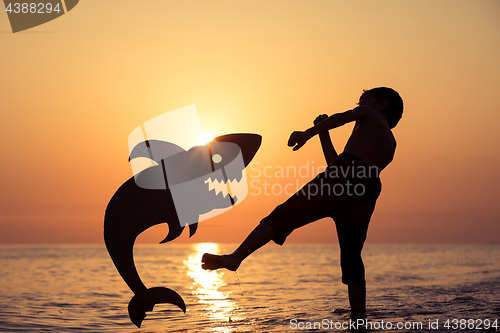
x: 346, y: 191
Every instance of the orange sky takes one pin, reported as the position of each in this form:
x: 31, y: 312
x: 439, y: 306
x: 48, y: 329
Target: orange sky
x: 73, y: 89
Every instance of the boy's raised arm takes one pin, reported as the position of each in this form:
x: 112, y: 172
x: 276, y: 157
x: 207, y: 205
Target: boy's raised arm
x: 326, y: 143
x: 299, y: 138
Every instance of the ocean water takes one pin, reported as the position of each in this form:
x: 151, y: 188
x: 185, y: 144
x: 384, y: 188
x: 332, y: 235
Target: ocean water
x: 414, y: 288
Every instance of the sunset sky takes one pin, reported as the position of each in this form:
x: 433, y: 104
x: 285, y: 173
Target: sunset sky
x: 73, y: 89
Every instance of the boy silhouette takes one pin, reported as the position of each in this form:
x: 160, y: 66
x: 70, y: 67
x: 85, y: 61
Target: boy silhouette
x: 346, y: 191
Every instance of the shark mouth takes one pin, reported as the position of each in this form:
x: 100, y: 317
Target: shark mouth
x: 232, y: 188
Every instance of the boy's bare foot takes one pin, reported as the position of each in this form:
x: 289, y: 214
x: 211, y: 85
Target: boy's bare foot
x: 213, y: 261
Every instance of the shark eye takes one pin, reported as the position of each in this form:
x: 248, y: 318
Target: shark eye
x: 217, y: 158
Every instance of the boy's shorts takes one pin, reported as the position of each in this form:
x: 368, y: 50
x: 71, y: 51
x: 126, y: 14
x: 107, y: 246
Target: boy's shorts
x: 346, y: 192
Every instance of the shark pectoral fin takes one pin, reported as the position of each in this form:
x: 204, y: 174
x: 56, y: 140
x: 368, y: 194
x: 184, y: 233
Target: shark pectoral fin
x: 174, y: 231
x: 192, y: 229
x: 145, y: 301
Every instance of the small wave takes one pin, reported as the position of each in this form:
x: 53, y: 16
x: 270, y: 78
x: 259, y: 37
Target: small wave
x: 464, y: 299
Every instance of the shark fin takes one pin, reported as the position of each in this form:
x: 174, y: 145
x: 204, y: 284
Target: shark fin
x: 192, y: 229
x: 155, y: 150
x: 174, y: 231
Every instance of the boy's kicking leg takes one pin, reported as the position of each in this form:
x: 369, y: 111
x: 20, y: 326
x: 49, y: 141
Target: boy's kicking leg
x: 299, y: 210
x: 259, y: 237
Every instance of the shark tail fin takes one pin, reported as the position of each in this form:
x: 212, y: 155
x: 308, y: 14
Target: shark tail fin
x: 145, y: 301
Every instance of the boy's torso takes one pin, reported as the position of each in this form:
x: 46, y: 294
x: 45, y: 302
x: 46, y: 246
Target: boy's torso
x: 372, y: 140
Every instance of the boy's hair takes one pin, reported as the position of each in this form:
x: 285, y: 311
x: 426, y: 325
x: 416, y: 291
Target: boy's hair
x: 394, y: 111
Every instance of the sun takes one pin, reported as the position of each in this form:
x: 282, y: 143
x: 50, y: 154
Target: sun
x: 205, y: 138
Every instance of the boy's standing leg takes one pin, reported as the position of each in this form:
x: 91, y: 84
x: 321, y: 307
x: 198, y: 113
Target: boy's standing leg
x: 357, y: 297
x: 351, y: 240
x: 352, y: 228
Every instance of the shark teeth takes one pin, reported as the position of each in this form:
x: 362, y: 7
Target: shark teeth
x: 221, y: 186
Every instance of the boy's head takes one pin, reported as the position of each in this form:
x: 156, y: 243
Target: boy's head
x: 394, y: 108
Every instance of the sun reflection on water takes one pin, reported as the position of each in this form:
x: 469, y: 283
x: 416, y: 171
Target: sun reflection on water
x: 206, y: 284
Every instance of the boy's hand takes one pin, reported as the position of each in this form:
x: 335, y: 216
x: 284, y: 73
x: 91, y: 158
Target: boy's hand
x: 297, y: 139
x: 320, y: 118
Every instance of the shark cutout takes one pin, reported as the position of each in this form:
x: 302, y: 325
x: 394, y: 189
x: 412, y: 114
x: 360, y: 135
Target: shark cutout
x: 182, y: 186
